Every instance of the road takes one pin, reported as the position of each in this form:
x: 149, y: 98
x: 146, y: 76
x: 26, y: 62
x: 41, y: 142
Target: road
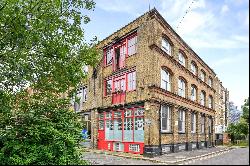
x: 239, y: 156
x: 102, y: 159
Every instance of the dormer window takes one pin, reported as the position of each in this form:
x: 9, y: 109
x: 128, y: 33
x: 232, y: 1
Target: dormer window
x: 182, y: 59
x: 165, y: 45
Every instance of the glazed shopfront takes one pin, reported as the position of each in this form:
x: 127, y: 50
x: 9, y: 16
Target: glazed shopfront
x: 121, y: 130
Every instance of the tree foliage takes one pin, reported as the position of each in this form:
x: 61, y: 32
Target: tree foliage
x: 42, y: 46
x: 238, y: 131
x: 245, y: 109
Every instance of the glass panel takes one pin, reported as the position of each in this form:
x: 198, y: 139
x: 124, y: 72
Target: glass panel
x: 108, y: 132
x: 128, y: 113
x: 128, y: 129
x: 108, y: 87
x: 101, y: 115
x: 118, y: 129
x: 139, y: 112
x: 117, y: 114
x: 101, y: 127
x: 139, y: 129
x: 108, y: 115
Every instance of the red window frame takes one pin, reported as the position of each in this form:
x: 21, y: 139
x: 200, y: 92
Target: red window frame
x: 124, y: 43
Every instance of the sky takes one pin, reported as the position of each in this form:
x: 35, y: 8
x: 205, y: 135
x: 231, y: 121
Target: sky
x: 217, y: 30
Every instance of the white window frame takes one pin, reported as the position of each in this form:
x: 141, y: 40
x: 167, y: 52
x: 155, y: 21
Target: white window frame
x: 134, y: 147
x: 209, y: 125
x: 131, y: 81
x: 193, y: 93
x: 193, y: 122
x: 166, y: 46
x: 202, y: 124
x: 167, y: 116
x: 193, y: 68
x: 203, y: 98
x: 210, y: 81
x: 181, y: 88
x: 202, y: 76
x: 132, y: 45
x: 106, y: 85
x: 210, y: 102
x: 109, y: 55
x: 181, y: 119
x: 182, y: 59
x: 165, y: 80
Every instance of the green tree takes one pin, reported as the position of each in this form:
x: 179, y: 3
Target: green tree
x: 245, y: 109
x: 42, y: 46
x: 238, y: 131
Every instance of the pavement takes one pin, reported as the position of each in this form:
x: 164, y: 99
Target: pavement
x: 101, y: 157
x: 238, y: 156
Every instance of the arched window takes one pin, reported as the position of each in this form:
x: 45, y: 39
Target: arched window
x: 166, y: 46
x: 210, y: 102
x: 193, y: 93
x: 182, y: 59
x: 181, y: 87
x: 203, y: 98
x: 165, y: 80
x: 210, y: 82
x: 193, y: 68
x: 203, y: 75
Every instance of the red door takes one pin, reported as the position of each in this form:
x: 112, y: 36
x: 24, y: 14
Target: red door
x: 101, y: 133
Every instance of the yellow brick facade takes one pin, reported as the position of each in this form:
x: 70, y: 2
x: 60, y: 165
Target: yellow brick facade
x: 148, y: 62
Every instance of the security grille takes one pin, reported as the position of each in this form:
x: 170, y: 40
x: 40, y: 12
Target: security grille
x: 134, y: 147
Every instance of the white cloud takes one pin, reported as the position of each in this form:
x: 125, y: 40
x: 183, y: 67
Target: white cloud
x: 224, y: 9
x: 214, y: 41
x: 202, y: 28
x: 125, y: 6
x: 246, y: 22
x: 194, y: 21
x: 222, y: 62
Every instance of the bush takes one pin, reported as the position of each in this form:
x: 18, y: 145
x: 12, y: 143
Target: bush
x: 41, y: 132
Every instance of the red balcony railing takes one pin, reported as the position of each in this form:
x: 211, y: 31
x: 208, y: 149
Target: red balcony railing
x: 118, y: 97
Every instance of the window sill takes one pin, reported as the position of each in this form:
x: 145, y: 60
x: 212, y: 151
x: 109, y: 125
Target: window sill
x: 131, y: 55
x: 107, y: 96
x: 108, y: 65
x: 166, y: 132
x: 131, y: 91
x: 181, y: 133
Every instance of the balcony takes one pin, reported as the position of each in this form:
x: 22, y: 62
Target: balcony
x: 118, y: 97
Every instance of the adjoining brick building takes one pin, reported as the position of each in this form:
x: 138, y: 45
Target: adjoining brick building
x: 151, y: 93
x: 222, y: 115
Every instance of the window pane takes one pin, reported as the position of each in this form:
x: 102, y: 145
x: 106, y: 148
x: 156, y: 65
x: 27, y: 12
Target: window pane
x: 108, y: 87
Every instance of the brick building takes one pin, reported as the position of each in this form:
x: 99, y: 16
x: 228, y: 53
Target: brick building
x: 222, y: 115
x: 151, y: 93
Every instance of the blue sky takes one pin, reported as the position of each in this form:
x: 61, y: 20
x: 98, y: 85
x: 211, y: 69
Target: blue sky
x: 217, y: 30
